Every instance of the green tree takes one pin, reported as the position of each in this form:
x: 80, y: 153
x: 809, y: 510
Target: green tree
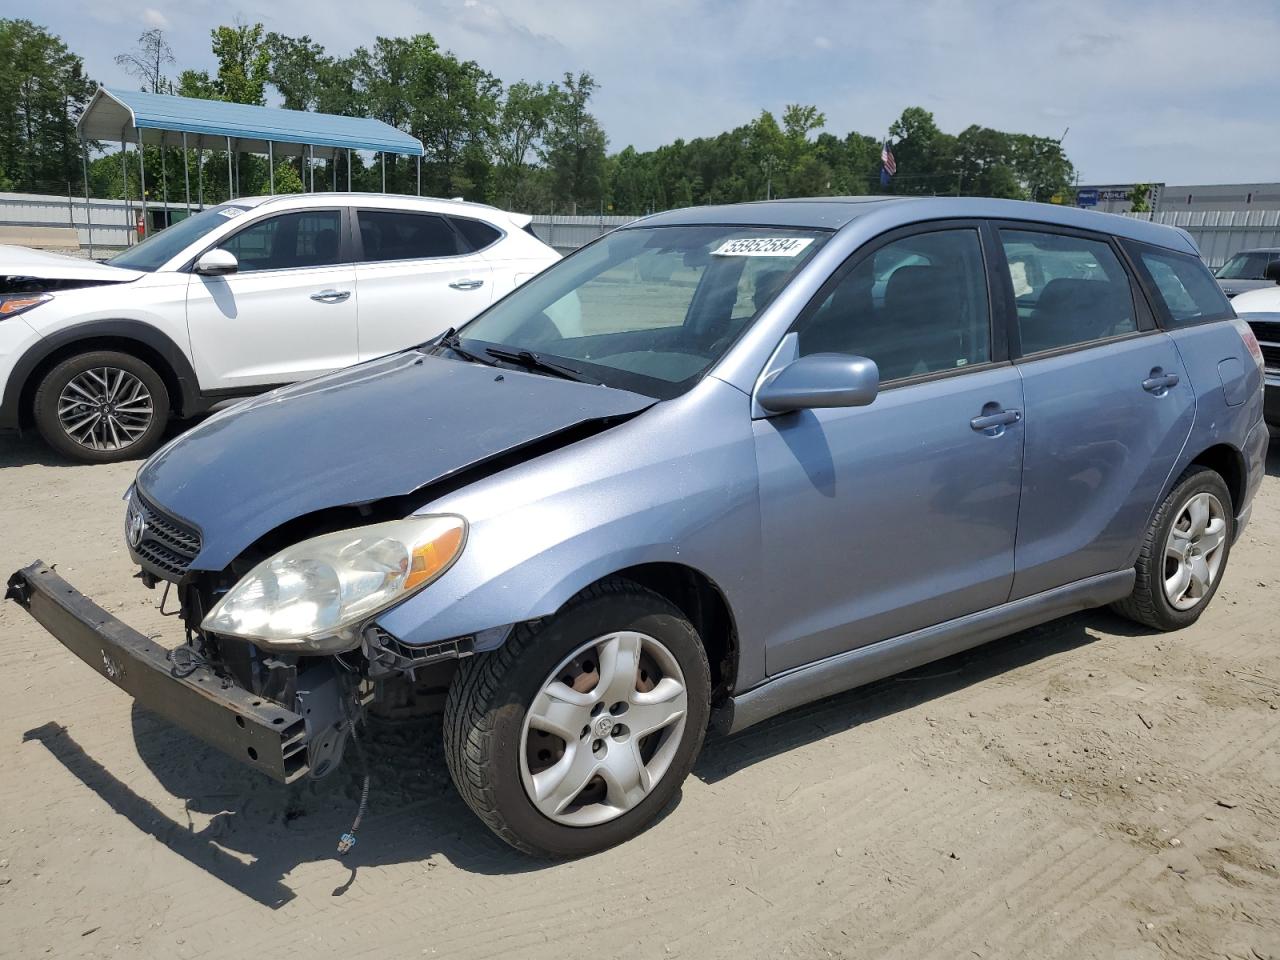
x: 521, y: 124
x: 43, y: 91
x: 574, y: 150
x: 295, y: 69
x: 244, y: 63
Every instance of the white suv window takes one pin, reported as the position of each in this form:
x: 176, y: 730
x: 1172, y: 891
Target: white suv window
x: 307, y: 238
x: 398, y: 235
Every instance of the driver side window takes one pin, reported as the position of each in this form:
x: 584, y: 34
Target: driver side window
x: 915, y: 306
x: 308, y: 238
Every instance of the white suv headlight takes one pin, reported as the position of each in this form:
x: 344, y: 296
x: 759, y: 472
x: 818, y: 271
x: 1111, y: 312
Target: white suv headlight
x: 313, y: 596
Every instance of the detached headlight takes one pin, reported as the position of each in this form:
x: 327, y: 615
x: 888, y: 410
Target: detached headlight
x: 313, y: 596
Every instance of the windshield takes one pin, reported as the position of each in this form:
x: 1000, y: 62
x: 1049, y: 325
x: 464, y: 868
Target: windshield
x: 161, y: 247
x: 647, y: 309
x: 1247, y: 266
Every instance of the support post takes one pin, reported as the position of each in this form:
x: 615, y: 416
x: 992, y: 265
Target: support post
x: 164, y: 180
x: 88, y: 211
x: 142, y: 182
x: 333, y: 169
x: 186, y: 171
x: 311, y: 166
x: 419, y: 158
x: 200, y: 170
x: 231, y: 189
x: 271, y: 167
x: 384, y: 171
x: 348, y: 169
x: 124, y: 183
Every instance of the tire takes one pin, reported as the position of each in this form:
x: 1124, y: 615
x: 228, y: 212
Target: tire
x: 492, y: 746
x: 132, y: 407
x: 1150, y: 603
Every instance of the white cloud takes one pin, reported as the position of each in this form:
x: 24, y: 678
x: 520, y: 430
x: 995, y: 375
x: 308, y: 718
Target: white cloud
x: 154, y: 18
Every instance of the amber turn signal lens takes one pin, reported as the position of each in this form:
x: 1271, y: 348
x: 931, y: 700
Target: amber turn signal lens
x: 430, y: 558
x: 10, y: 306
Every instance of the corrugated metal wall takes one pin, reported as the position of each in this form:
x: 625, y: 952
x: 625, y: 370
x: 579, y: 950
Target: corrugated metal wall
x: 1220, y: 233
x: 569, y: 233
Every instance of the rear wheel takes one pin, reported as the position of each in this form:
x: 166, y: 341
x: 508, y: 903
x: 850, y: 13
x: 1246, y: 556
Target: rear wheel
x: 102, y: 407
x: 577, y: 733
x: 1184, y: 555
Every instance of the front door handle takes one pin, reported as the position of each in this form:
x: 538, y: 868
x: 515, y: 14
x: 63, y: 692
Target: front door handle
x: 467, y: 284
x: 331, y: 296
x: 993, y: 424
x: 1159, y: 383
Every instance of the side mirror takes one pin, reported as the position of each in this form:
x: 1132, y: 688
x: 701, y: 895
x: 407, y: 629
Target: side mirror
x: 216, y: 263
x: 820, y: 380
x: 1272, y: 271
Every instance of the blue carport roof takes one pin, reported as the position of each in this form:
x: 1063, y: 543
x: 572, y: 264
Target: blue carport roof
x: 115, y: 115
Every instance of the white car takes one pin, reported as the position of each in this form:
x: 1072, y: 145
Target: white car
x: 245, y: 296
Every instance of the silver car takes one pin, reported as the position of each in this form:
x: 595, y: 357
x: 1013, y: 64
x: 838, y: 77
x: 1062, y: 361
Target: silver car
x: 1250, y: 270
x: 715, y: 465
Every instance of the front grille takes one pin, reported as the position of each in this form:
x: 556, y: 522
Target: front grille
x: 1271, y: 355
x: 164, y: 544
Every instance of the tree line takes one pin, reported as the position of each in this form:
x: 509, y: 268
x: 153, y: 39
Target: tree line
x: 531, y: 146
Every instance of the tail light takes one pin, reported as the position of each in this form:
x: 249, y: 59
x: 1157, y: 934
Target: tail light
x: 1250, y: 341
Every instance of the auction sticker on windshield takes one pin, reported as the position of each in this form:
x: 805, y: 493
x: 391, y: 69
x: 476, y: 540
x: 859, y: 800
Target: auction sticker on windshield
x: 762, y: 247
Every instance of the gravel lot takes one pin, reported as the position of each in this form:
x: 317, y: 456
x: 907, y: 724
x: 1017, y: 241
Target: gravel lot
x: 1084, y: 789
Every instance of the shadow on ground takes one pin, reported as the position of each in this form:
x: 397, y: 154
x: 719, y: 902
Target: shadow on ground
x: 415, y: 815
x: 30, y: 450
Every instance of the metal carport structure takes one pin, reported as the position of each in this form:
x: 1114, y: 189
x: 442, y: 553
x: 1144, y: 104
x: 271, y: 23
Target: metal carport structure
x: 157, y: 119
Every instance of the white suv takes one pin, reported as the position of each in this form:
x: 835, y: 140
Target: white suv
x: 239, y: 298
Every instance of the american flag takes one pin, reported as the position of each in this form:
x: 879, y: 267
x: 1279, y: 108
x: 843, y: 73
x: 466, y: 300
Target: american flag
x: 886, y: 159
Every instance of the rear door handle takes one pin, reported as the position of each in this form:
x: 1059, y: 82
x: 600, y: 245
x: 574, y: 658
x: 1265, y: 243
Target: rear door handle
x: 331, y: 296
x: 467, y: 284
x: 995, y: 421
x: 1160, y: 383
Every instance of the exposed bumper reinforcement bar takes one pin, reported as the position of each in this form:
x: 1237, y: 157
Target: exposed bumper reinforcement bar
x: 258, y: 732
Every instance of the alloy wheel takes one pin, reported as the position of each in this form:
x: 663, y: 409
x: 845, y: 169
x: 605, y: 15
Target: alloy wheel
x: 105, y: 408
x: 1194, y: 551
x: 603, y: 729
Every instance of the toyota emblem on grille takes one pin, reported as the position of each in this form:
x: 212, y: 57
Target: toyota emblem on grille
x: 135, y: 526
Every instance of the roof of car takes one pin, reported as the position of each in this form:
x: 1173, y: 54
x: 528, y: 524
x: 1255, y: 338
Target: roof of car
x: 391, y: 199
x: 833, y: 213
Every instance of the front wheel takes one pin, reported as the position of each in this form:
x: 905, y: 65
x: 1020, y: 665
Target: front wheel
x: 101, y: 407
x: 1184, y: 554
x: 575, y: 734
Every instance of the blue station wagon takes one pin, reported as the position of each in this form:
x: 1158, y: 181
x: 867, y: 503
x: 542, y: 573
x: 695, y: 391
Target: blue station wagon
x: 717, y: 464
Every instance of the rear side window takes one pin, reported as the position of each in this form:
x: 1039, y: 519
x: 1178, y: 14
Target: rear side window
x: 915, y: 306
x: 1068, y: 290
x: 396, y: 235
x: 1187, y: 288
x: 477, y: 234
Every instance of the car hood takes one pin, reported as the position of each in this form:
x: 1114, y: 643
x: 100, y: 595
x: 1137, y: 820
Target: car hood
x: 25, y: 262
x: 1233, y: 287
x: 1263, y: 300
x: 382, y: 429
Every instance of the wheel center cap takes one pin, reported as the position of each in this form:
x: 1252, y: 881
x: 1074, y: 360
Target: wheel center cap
x: 604, y: 725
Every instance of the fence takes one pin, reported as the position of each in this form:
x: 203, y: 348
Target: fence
x: 569, y: 233
x: 1220, y: 233
x: 115, y: 221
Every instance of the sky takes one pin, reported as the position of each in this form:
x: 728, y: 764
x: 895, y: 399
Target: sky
x: 1167, y: 91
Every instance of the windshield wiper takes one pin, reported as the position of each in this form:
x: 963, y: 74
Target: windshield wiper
x: 449, y: 339
x: 531, y: 361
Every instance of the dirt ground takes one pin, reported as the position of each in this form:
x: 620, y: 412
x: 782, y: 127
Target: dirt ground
x: 1084, y: 789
